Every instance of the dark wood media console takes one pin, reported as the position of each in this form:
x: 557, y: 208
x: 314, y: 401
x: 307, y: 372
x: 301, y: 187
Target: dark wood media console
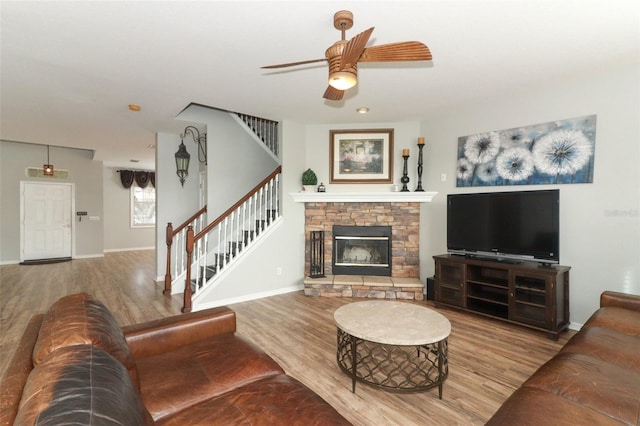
x: 525, y: 293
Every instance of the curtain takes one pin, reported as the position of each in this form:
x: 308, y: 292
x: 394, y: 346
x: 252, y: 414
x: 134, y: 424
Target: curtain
x: 126, y: 177
x: 141, y: 178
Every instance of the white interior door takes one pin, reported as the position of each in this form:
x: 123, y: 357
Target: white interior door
x: 46, y: 220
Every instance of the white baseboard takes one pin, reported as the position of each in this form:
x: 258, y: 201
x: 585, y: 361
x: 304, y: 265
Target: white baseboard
x: 575, y: 326
x: 88, y: 256
x: 129, y: 249
x: 9, y: 262
x: 248, y: 297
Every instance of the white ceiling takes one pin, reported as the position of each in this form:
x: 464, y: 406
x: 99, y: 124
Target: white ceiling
x: 69, y: 69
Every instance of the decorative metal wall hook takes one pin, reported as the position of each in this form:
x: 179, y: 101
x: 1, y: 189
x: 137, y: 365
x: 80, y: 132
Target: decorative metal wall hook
x: 200, y: 140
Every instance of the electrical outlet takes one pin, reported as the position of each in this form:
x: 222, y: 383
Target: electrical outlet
x: 443, y: 177
x: 278, y: 271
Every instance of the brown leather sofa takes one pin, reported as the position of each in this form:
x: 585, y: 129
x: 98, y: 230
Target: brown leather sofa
x: 593, y: 380
x: 75, y: 365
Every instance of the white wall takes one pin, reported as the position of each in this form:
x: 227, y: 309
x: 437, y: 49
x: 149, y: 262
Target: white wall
x: 599, y: 222
x: 118, y: 233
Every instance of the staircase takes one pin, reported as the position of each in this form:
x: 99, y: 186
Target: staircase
x: 220, y: 245
x: 203, y: 254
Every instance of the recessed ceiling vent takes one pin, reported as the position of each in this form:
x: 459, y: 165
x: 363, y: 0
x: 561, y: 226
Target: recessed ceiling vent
x: 37, y: 172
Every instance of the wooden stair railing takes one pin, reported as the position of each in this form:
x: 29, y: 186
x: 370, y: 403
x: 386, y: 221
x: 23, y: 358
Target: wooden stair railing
x: 170, y: 235
x: 192, y: 238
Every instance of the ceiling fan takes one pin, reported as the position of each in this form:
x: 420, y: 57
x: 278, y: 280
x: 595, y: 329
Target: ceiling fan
x: 343, y: 56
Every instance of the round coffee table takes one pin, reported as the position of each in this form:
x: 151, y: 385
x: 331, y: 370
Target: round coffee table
x: 394, y: 345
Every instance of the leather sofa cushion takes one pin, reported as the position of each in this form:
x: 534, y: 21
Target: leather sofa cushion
x: 177, y: 331
x: 276, y: 400
x: 607, y: 345
x: 535, y: 407
x: 619, y: 299
x: 177, y: 380
x: 622, y: 320
x: 81, y: 319
x: 17, y: 372
x: 81, y: 385
x: 592, y: 383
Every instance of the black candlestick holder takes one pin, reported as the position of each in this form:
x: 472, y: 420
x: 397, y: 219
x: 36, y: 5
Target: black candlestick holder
x: 405, y: 177
x: 419, y: 187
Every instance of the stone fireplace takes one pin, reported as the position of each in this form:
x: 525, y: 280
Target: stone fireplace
x: 402, y: 218
x: 397, y: 211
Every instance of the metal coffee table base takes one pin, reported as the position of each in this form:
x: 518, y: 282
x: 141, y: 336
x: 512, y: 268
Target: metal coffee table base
x: 393, y: 367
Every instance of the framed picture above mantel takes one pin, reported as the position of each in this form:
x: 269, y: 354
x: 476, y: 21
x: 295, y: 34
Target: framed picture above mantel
x: 361, y: 156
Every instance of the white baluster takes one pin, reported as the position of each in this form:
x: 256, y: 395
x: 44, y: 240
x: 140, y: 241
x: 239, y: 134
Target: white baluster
x: 270, y: 192
x: 176, y: 255
x: 217, y: 254
x: 195, y: 263
x: 277, y: 179
x: 180, y: 252
x: 204, y: 257
x: 225, y: 240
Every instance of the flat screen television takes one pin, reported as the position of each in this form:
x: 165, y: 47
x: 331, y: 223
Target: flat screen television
x: 510, y: 226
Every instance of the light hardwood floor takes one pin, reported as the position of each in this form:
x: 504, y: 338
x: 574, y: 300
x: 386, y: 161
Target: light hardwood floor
x: 487, y: 359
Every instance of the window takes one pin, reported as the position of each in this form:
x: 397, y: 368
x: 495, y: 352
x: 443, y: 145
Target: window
x: 143, y: 207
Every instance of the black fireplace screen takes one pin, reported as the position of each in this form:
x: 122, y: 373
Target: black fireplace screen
x: 362, y: 250
x: 316, y: 254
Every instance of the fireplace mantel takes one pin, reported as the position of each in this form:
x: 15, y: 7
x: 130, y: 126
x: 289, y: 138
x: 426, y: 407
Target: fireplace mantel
x: 362, y: 197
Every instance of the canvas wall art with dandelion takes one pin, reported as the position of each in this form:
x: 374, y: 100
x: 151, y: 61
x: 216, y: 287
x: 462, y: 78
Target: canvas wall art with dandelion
x: 557, y: 152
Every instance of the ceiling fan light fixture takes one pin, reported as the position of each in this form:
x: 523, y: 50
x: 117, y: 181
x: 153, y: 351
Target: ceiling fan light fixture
x: 344, y: 55
x: 342, y: 80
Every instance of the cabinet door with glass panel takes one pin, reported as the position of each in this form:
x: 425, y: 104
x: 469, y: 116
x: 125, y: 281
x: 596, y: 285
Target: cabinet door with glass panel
x: 531, y: 299
x: 450, y: 278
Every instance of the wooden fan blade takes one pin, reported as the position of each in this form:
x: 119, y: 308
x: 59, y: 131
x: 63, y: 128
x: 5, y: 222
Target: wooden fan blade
x: 333, y: 94
x: 402, y: 51
x: 291, y: 64
x: 354, y: 48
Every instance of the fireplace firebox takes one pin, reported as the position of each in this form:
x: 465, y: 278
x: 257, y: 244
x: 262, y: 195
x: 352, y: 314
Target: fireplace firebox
x: 361, y: 250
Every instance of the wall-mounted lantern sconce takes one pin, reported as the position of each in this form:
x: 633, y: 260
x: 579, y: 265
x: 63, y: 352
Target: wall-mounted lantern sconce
x: 200, y: 140
x: 47, y: 169
x: 182, y: 162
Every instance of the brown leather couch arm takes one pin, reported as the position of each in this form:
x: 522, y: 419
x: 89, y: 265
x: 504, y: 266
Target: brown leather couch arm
x: 620, y: 300
x: 168, y: 334
x: 17, y: 372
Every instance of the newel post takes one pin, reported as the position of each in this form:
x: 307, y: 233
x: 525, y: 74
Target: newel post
x: 167, y: 275
x: 187, y: 283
